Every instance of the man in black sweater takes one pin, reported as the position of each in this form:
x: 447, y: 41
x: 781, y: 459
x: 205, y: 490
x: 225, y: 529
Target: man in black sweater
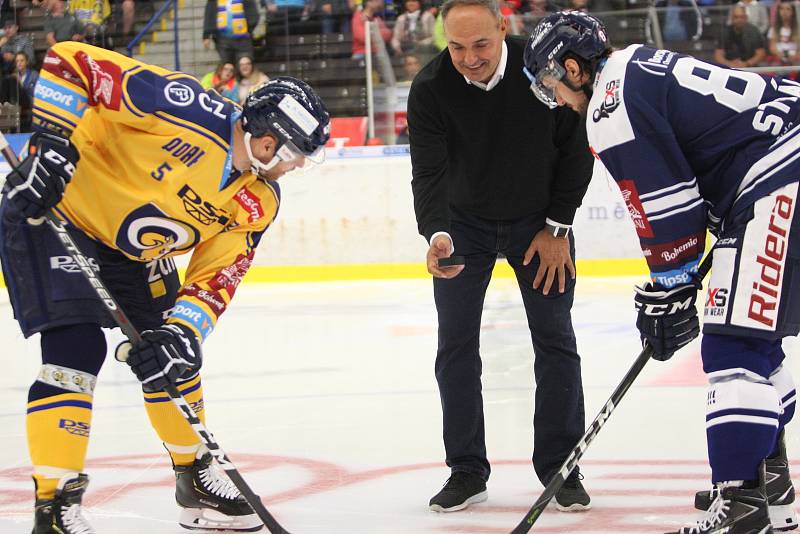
x: 497, y: 172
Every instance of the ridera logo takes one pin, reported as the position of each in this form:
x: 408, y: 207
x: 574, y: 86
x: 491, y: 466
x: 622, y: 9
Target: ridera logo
x: 76, y: 428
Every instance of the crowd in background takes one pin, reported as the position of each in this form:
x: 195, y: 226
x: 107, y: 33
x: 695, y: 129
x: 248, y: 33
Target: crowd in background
x: 756, y: 32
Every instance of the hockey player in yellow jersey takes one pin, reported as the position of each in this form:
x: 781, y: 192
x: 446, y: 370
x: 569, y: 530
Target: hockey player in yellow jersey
x: 142, y: 164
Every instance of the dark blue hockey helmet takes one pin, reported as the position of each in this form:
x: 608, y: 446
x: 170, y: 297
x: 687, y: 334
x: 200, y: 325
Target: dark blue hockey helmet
x: 555, y: 36
x: 290, y: 110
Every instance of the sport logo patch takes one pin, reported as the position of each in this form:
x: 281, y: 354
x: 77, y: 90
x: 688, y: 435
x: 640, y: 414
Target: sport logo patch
x: 716, y: 302
x: 76, y: 428
x: 202, y: 211
x: 631, y: 197
x: 178, y: 94
x: 105, y: 80
x: 610, y: 101
x: 250, y: 203
x: 68, y: 265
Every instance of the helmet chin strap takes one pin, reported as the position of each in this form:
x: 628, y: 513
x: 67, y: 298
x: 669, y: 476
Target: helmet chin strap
x: 256, y: 166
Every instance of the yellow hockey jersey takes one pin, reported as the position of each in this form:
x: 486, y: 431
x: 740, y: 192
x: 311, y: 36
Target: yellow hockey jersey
x: 155, y: 177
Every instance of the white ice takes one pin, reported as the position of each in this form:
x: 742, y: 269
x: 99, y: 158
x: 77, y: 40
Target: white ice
x: 323, y: 395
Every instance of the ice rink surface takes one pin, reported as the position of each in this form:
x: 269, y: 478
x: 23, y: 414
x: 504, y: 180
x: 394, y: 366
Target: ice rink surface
x: 323, y: 395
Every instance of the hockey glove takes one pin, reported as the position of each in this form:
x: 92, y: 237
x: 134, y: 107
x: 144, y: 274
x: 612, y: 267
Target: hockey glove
x: 163, y: 356
x: 37, y: 183
x: 667, y: 317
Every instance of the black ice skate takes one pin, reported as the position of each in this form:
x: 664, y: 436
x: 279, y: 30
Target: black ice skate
x: 63, y: 515
x: 209, y: 501
x: 735, y: 511
x: 780, y: 492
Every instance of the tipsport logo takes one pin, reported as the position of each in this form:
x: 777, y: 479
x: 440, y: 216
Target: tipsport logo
x: 76, y: 428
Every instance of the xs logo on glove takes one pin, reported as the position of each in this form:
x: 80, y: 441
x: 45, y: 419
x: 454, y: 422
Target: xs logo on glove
x: 162, y: 356
x: 667, y: 317
x: 37, y: 184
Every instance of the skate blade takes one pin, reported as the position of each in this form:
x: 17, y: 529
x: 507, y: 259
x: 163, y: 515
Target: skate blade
x: 783, y: 517
x: 205, y: 519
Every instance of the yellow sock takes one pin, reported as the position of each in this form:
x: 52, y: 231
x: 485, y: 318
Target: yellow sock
x: 58, y: 435
x: 178, y: 437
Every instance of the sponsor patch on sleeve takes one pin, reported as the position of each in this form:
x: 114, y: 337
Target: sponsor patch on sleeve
x: 105, y: 81
x: 631, y: 197
x: 251, y: 204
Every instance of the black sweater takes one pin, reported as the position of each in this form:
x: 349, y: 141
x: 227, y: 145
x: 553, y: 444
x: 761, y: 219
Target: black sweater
x: 500, y: 154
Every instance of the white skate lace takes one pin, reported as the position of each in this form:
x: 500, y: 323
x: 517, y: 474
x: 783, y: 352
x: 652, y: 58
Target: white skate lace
x: 74, y: 521
x: 219, y: 486
x: 715, y: 515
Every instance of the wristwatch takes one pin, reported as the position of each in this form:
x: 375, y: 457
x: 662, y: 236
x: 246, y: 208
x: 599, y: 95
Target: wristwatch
x: 557, y: 231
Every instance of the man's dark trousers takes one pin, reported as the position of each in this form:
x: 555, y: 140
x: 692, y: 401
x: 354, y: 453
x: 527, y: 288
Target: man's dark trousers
x: 559, y: 413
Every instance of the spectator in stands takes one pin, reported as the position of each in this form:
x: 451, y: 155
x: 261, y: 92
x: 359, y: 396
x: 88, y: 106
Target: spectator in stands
x: 784, y: 37
x: 411, y: 66
x: 413, y: 29
x: 742, y: 44
x: 25, y: 76
x: 12, y: 42
x: 578, y: 5
x: 223, y: 81
x: 757, y: 14
x: 439, y: 38
x: 286, y: 16
x: 680, y: 21
x: 334, y: 15
x: 249, y: 77
x: 128, y: 13
x: 60, y: 25
x: 93, y: 16
x: 229, y: 23
x: 17, y: 88
x: 538, y: 8
x: 369, y: 12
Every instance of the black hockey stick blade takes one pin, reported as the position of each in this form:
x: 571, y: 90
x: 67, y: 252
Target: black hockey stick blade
x: 577, y: 452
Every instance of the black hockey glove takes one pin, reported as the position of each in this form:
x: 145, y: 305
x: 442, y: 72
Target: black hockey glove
x: 667, y: 317
x: 37, y: 183
x: 163, y: 356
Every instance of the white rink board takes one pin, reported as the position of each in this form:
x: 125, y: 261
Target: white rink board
x: 359, y: 209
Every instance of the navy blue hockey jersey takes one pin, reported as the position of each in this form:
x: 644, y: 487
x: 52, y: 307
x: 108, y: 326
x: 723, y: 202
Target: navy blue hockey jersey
x: 690, y: 143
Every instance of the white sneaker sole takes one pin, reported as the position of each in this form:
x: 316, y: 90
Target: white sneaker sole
x: 576, y: 507
x: 783, y: 517
x: 478, y: 497
x: 207, y: 519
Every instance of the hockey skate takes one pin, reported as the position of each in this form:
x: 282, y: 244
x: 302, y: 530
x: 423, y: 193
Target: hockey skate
x: 735, y: 510
x: 63, y: 514
x: 780, y: 492
x: 209, y: 501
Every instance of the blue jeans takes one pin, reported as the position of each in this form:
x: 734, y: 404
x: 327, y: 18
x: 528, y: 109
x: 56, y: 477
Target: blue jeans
x: 559, y: 413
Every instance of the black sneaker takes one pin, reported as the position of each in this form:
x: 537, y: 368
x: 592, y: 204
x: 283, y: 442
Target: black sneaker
x: 210, y: 501
x: 572, y: 496
x: 735, y: 510
x: 63, y: 514
x: 779, y: 489
x: 460, y: 490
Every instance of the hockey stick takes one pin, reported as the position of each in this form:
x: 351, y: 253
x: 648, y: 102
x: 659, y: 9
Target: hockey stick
x: 577, y: 452
x: 133, y: 336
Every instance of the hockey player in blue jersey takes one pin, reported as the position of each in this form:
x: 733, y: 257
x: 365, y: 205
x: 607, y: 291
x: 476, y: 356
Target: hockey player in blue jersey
x: 695, y: 146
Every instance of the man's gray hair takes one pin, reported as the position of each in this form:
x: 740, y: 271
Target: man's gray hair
x: 491, y: 5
